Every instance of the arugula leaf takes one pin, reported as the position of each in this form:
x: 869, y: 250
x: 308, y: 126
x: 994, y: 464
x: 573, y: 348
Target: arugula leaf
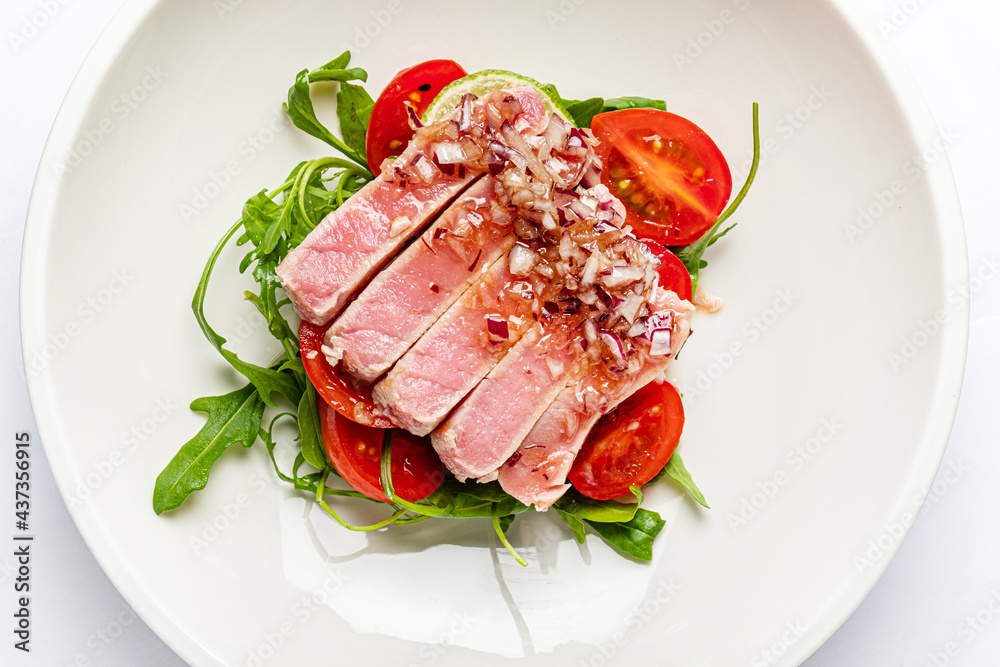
x: 464, y: 500
x: 691, y: 254
x: 334, y: 70
x: 626, y: 527
x: 583, y: 111
x: 447, y: 505
x: 354, y: 109
x: 266, y: 380
x: 634, y: 537
x: 677, y: 471
x: 618, y: 103
x: 299, y: 105
x: 501, y: 529
x: 505, y: 521
x: 310, y: 437
x: 573, y: 507
x: 603, y: 511
x: 299, y: 108
x: 575, y: 524
x: 234, y: 417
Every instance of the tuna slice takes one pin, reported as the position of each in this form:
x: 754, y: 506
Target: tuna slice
x: 358, y: 239
x: 536, y: 473
x: 491, y: 422
x: 457, y: 351
x: 406, y: 298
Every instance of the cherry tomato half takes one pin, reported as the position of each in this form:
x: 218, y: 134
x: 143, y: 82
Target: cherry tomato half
x: 670, y: 175
x: 355, y: 451
x: 674, y: 275
x: 629, y: 445
x: 347, y: 395
x: 389, y: 128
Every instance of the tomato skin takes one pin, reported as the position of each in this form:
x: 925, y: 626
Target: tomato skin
x: 345, y: 394
x: 355, y: 451
x: 674, y: 275
x: 613, y: 457
x: 673, y: 187
x: 389, y: 128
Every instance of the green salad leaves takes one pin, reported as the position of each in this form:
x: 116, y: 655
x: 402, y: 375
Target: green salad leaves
x: 272, y: 224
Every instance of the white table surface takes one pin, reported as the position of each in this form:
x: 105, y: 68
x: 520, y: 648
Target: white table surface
x: 939, y: 601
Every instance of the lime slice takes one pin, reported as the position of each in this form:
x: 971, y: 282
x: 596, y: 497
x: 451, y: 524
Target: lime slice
x: 480, y: 83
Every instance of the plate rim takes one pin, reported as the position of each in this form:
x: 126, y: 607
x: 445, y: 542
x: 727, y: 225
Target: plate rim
x: 129, y: 19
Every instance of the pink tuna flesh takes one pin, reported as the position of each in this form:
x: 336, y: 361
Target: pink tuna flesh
x: 492, y: 421
x: 457, y: 351
x: 357, y: 239
x: 532, y: 119
x: 408, y: 296
x: 354, y: 242
x: 536, y: 472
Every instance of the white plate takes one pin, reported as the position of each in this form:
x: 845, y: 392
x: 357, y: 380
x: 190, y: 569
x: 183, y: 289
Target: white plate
x: 175, y: 119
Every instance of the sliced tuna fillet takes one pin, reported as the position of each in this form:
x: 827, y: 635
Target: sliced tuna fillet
x: 492, y: 421
x: 536, y: 472
x: 353, y: 242
x: 357, y: 239
x: 457, y: 351
x: 410, y: 294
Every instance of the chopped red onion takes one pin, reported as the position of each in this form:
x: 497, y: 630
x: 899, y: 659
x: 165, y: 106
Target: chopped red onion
x: 622, y: 275
x: 581, y: 209
x: 517, y: 142
x: 448, y: 152
x: 423, y: 168
x: 522, y: 259
x: 608, y: 300
x: 592, y: 175
x: 614, y: 343
x: 629, y: 308
x: 661, y: 320
x: 465, y: 119
x: 526, y: 229
x: 659, y: 327
x: 660, y: 342
x: 638, y: 329
x: 493, y: 162
x: 414, y: 120
x: 497, y: 328
x: 590, y: 270
x: 570, y: 306
x: 446, y: 169
x: 507, y: 153
x: 548, y: 222
x: 475, y: 262
x: 399, y: 225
